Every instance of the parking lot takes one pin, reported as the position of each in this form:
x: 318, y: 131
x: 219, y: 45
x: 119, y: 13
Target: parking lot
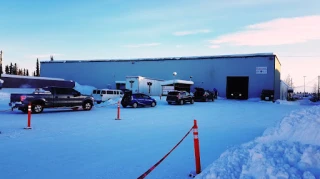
x: 92, y: 144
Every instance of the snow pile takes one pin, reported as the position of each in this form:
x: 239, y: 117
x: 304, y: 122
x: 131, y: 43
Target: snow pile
x: 110, y: 102
x: 289, y: 150
x: 285, y: 102
x: 84, y: 89
x: 300, y: 126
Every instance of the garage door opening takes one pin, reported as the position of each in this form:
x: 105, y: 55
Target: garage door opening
x: 237, y: 87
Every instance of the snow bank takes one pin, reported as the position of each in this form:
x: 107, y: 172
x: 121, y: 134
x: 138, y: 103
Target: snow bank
x: 84, y: 89
x: 285, y: 102
x: 291, y: 149
x: 110, y: 102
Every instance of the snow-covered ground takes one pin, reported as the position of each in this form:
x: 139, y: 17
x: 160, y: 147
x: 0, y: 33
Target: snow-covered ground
x: 238, y: 139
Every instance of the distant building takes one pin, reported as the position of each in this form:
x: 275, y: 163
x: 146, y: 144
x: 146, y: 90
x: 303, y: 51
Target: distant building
x: 247, y: 74
x: 140, y: 84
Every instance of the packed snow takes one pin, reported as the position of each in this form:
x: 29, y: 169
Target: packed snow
x: 291, y: 149
x: 238, y: 139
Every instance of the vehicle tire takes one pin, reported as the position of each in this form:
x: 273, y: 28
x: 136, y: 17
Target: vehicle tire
x: 153, y: 104
x: 212, y: 99
x: 87, y: 105
x: 37, y: 108
x: 124, y: 106
x: 192, y: 101
x: 169, y: 102
x: 181, y: 102
x: 98, y: 102
x: 135, y: 105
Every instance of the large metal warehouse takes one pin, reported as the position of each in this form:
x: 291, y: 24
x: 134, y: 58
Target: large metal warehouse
x: 247, y: 73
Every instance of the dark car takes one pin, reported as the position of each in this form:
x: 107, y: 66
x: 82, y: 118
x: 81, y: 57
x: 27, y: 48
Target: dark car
x: 203, y: 95
x: 137, y: 99
x: 267, y: 95
x: 179, y: 97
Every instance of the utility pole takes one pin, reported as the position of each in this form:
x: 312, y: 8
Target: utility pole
x: 304, y: 86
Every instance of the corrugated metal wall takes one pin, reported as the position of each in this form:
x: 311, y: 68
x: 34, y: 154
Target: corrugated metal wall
x: 283, y: 90
x: 277, y: 78
x: 208, y: 72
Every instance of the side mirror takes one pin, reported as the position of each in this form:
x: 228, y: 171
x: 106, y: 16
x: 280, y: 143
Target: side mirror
x: 76, y: 94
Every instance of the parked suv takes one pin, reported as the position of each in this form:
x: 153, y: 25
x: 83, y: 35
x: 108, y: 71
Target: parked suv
x: 179, y: 97
x: 137, y: 99
x: 267, y: 95
x: 203, y: 95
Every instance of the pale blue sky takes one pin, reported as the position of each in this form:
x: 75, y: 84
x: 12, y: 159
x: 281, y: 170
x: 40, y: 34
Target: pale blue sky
x: 107, y: 29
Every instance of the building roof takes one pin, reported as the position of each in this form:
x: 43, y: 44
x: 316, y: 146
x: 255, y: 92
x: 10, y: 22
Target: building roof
x: 133, y: 60
x: 144, y: 78
x: 120, y: 82
x: 30, y: 77
x: 170, y: 82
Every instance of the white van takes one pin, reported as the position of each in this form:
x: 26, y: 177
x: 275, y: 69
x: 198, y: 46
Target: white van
x: 102, y: 95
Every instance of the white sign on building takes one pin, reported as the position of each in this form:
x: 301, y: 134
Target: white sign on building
x: 166, y: 89
x: 261, y: 70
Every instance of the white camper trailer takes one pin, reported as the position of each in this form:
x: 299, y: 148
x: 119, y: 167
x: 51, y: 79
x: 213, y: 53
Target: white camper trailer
x: 140, y: 84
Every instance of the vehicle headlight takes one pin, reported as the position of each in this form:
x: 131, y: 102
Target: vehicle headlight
x: 240, y: 94
x: 231, y: 94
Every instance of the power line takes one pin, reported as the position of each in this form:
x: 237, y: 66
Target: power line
x: 316, y: 78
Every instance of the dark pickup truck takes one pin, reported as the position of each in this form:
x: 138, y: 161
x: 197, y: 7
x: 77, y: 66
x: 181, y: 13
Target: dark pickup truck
x: 51, y: 97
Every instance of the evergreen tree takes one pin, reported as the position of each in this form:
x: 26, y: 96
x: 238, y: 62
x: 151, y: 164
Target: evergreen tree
x: 34, y: 73
x: 11, y: 69
x: 20, y: 72
x: 15, y: 69
x: 38, y: 68
x: 51, y: 58
x: 24, y: 72
x: 27, y: 73
x: 7, y: 69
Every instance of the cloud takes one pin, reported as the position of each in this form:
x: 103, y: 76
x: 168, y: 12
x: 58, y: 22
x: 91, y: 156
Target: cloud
x: 214, y: 46
x: 142, y: 45
x: 281, y: 31
x: 191, y: 32
x: 45, y: 55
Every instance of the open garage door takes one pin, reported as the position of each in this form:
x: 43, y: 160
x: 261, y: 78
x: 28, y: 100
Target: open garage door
x: 237, y: 87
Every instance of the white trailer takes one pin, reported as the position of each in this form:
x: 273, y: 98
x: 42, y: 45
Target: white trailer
x: 145, y: 85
